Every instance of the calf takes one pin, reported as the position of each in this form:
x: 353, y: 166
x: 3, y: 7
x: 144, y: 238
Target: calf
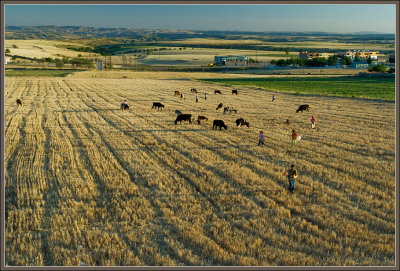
x: 230, y: 110
x: 302, y: 108
x: 19, y: 102
x: 219, y: 106
x: 158, y: 105
x: 217, y: 92
x: 199, y: 118
x: 193, y: 90
x: 241, y: 121
x: 234, y: 91
x: 220, y: 124
x: 177, y: 93
x: 183, y: 117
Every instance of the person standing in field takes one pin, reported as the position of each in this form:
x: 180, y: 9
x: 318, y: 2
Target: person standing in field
x: 205, y: 96
x: 294, y: 137
x: 197, y: 99
x: 261, y: 138
x: 273, y: 97
x: 292, y: 174
x: 312, y: 122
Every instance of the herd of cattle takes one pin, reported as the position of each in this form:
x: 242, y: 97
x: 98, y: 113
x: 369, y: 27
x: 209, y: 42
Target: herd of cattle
x: 217, y: 123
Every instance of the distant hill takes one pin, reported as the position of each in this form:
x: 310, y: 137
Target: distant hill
x: 52, y: 32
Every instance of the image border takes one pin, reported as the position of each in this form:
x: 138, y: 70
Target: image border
x: 77, y: 2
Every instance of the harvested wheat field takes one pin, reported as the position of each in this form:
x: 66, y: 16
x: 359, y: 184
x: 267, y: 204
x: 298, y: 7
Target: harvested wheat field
x: 89, y: 184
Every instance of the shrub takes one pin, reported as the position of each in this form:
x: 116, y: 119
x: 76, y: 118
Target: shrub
x: 377, y: 68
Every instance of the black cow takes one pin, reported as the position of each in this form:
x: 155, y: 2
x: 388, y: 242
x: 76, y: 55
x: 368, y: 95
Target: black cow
x: 183, y: 117
x: 199, y: 118
x: 241, y: 121
x: 219, y: 106
x: 158, y: 105
x: 217, y: 92
x: 234, y: 91
x: 193, y: 90
x: 302, y: 108
x: 220, y: 124
x: 230, y: 110
x: 124, y: 106
x: 19, y: 102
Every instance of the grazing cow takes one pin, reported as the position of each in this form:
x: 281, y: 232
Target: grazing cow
x: 183, y: 117
x: 219, y: 106
x: 241, y: 121
x: 217, y: 91
x: 220, y: 124
x: 302, y: 108
x: 229, y: 109
x: 178, y: 112
x: 124, y: 106
x: 182, y: 96
x: 193, y: 90
x: 158, y: 105
x: 19, y: 102
x: 234, y: 91
x: 177, y: 93
x: 199, y: 118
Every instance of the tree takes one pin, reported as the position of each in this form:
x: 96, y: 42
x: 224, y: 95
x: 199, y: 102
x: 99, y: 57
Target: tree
x: 369, y: 60
x: 7, y: 51
x: 59, y: 63
x: 332, y: 60
x: 346, y: 60
x: 377, y: 68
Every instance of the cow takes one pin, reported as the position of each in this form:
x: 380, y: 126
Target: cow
x: 229, y: 109
x: 199, y: 118
x: 219, y: 106
x: 302, y: 108
x: 182, y: 96
x: 241, y: 121
x: 19, y: 102
x: 158, y: 105
x: 124, y: 106
x: 220, y: 124
x: 217, y: 91
x: 183, y: 117
x: 177, y: 93
x: 234, y: 91
x: 287, y: 121
x: 178, y: 112
x: 193, y: 90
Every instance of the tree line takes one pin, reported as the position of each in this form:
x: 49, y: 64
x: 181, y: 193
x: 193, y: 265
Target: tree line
x: 60, y: 62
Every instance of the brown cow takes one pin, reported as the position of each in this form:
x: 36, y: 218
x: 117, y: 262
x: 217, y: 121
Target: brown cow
x: 177, y: 93
x: 302, y: 108
x: 19, y: 102
x: 199, y: 118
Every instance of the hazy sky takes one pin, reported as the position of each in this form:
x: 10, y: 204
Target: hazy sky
x: 327, y: 18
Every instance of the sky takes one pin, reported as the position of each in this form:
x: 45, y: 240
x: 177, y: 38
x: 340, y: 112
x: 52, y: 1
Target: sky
x: 344, y: 18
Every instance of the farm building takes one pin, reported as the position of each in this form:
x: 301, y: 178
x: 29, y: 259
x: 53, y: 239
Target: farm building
x: 307, y: 55
x: 359, y: 54
x: 233, y: 60
x: 359, y: 65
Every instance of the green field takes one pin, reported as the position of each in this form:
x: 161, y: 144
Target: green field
x: 40, y: 72
x: 381, y: 88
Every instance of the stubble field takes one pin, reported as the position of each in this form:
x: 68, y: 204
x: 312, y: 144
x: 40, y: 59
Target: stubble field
x: 89, y: 184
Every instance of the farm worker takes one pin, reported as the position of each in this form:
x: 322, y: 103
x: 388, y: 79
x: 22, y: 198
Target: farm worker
x: 125, y: 102
x: 205, y: 96
x: 294, y: 137
x: 273, y: 97
x: 312, y: 122
x: 197, y: 99
x: 261, y: 138
x: 292, y: 174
